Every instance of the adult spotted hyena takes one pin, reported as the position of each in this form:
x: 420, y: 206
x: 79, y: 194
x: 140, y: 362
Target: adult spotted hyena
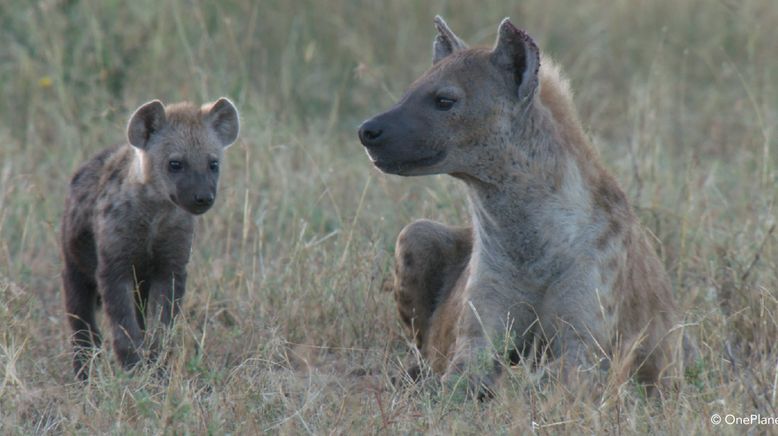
x: 128, y: 224
x: 555, y: 254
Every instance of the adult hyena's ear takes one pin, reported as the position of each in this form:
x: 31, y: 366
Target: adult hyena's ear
x: 146, y: 121
x: 222, y: 117
x: 446, y: 42
x: 516, y: 53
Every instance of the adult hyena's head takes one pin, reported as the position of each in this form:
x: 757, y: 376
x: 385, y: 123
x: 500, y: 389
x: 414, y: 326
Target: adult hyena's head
x: 180, y: 148
x: 453, y: 116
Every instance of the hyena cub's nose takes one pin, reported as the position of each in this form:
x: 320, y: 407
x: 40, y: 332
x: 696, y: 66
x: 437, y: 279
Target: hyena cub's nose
x: 204, y: 199
x: 370, y: 133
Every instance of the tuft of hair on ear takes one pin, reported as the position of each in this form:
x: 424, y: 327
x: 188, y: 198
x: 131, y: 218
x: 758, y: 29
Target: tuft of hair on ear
x: 222, y: 117
x: 516, y: 52
x: 446, y: 42
x: 147, y: 120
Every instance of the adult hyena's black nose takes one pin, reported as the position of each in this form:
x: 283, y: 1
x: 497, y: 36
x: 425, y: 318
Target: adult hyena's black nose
x: 204, y: 199
x: 370, y: 133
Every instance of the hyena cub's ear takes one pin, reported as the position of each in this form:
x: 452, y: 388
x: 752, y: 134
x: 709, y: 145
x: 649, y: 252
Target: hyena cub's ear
x: 222, y: 117
x: 147, y: 120
x: 446, y: 42
x: 516, y: 53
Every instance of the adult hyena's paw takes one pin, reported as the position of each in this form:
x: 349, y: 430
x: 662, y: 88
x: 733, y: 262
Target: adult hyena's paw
x: 410, y: 375
x: 463, y: 381
x: 416, y: 378
x: 414, y: 373
x: 581, y: 379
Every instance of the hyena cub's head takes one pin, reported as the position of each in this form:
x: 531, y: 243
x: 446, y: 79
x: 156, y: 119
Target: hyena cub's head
x: 453, y: 115
x: 180, y: 148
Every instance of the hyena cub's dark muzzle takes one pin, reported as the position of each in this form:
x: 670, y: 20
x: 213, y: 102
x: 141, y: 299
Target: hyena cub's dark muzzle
x: 195, y: 192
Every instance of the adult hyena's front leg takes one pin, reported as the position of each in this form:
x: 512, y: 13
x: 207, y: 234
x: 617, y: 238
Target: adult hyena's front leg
x: 493, y: 327
x: 485, y: 334
x: 577, y: 322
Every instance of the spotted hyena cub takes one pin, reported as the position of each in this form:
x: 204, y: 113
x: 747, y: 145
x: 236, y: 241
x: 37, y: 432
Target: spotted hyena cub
x: 128, y: 224
x: 555, y: 258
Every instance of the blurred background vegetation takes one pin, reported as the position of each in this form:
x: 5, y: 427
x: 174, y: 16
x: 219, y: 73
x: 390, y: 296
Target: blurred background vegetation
x: 680, y: 97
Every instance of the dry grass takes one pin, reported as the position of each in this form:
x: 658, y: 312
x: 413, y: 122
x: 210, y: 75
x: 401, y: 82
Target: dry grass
x: 286, y: 328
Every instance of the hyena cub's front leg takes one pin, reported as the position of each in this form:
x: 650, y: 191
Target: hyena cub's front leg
x: 165, y: 295
x: 116, y: 291
x: 429, y: 258
x: 167, y: 289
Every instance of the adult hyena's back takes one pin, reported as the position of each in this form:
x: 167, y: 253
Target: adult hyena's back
x: 648, y: 313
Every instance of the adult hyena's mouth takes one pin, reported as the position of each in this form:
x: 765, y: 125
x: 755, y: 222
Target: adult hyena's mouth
x: 396, y: 166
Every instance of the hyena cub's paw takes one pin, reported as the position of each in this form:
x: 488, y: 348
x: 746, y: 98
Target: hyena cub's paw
x: 127, y: 352
x: 82, y: 362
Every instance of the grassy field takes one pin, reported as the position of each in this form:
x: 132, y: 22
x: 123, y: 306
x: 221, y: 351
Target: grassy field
x: 286, y: 328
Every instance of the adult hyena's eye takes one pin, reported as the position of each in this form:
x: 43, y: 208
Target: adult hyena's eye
x: 175, y: 166
x: 444, y: 103
x: 214, y: 166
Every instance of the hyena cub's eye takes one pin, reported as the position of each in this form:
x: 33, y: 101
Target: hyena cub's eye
x: 444, y: 103
x: 175, y: 166
x: 214, y: 166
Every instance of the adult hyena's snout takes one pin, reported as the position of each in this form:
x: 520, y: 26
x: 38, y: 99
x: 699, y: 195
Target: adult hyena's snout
x: 398, y: 143
x: 370, y: 133
x: 379, y: 136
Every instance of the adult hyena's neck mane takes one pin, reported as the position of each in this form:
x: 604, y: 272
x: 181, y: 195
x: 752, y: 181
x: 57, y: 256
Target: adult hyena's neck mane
x: 574, y: 156
x: 563, y: 125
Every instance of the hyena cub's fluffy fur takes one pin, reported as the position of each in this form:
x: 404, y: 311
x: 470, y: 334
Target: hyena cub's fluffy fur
x: 128, y: 224
x: 555, y: 255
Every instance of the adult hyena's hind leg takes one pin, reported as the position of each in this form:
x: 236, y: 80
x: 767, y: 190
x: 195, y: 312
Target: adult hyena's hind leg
x: 429, y: 258
x: 80, y: 304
